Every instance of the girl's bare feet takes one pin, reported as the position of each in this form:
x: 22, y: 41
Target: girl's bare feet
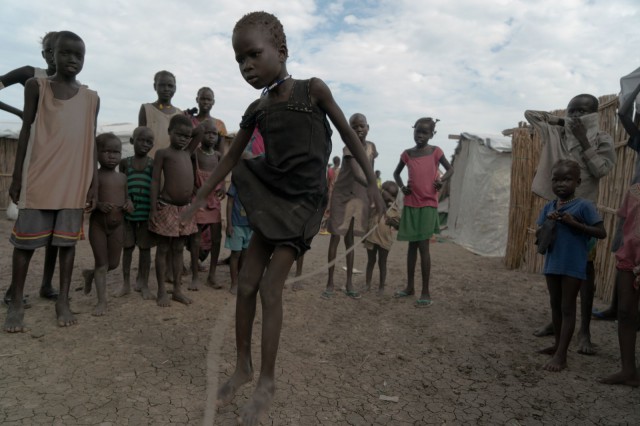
x: 228, y: 390
x: 622, y: 378
x: 163, y: 300
x: 64, y: 314
x: 179, y: 297
x: 555, y: 365
x: 14, y: 323
x: 258, y: 404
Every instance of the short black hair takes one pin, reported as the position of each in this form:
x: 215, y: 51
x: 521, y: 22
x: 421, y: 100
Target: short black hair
x: 266, y: 21
x: 179, y: 120
x: 102, y: 138
x: 570, y: 164
x: 61, y: 35
x: 426, y: 120
x: 51, y: 35
x: 161, y: 73
x: 202, y: 89
x: 595, y: 104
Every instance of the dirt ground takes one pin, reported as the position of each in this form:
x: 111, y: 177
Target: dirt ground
x: 467, y: 359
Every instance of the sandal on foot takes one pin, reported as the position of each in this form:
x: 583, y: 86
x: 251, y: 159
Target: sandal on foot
x: 423, y: 303
x: 401, y: 293
x: 327, y: 294
x: 353, y: 294
x: 600, y: 315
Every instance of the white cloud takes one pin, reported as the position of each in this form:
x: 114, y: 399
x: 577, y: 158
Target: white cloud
x: 475, y: 65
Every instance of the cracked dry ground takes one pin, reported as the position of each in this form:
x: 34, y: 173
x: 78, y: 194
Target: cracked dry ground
x: 467, y: 359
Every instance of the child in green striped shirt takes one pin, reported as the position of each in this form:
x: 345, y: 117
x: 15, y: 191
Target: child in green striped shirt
x: 138, y: 169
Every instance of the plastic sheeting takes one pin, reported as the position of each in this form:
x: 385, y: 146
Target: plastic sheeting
x: 479, y: 194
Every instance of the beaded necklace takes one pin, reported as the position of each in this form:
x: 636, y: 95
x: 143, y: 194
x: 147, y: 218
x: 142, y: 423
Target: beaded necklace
x: 565, y: 202
x: 276, y: 84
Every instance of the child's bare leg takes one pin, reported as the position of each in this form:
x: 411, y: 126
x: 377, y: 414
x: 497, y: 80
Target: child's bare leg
x: 63, y: 310
x: 14, y: 323
x: 348, y: 243
x: 256, y: 260
x: 587, y: 290
x: 100, y: 277
x: 569, y: 289
x: 371, y: 263
x: 299, y: 264
x: 333, y: 249
x: 234, y: 268
x: 177, y: 248
x: 216, y: 240
x: 382, y: 265
x: 425, y: 266
x: 162, y: 258
x: 127, y: 256
x: 114, y: 252
x: 46, y: 288
x: 271, y: 297
x: 194, y: 248
x: 554, y: 288
x: 627, y: 321
x: 412, y: 257
x: 144, y: 267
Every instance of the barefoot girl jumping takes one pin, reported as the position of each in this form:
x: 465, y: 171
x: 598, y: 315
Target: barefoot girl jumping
x: 283, y: 192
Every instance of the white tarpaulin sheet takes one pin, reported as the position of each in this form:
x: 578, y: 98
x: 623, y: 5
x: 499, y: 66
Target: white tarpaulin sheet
x: 479, y: 194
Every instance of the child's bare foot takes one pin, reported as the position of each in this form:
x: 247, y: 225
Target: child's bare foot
x: 211, y: 282
x: 233, y: 290
x: 548, y: 351
x: 64, y: 314
x: 585, y: 347
x: 622, y: 378
x: 14, y: 323
x: 123, y: 291
x: 87, y: 274
x: 367, y: 288
x: 163, y: 300
x: 555, y: 365
x: 137, y: 286
x: 227, y: 391
x: 146, y: 293
x: 380, y: 291
x: 194, y: 285
x: 179, y: 297
x: 258, y: 404
x: 100, y: 310
x: 47, y: 292
x: 546, y: 330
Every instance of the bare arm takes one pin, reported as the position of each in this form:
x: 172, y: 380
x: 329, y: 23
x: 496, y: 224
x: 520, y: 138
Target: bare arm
x: 396, y: 176
x: 156, y: 176
x: 92, y: 194
x: 324, y: 99
x: 142, y: 116
x: 31, y: 95
x: 448, y: 170
x: 229, y: 215
x: 196, y: 137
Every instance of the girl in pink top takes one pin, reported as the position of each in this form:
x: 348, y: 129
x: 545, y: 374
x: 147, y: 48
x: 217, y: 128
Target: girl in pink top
x: 419, y: 219
x: 627, y: 286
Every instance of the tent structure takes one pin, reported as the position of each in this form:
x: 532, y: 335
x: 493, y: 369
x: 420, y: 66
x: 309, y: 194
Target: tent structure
x: 478, y: 203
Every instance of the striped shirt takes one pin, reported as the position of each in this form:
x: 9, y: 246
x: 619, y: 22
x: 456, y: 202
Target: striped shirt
x: 139, y: 188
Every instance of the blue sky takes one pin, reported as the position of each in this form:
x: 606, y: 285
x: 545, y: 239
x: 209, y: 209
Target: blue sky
x: 475, y: 65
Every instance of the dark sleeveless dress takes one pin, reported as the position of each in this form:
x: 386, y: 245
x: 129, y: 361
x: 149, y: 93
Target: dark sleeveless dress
x: 284, y: 192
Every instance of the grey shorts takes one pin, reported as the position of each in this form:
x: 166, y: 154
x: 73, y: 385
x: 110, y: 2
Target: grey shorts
x: 36, y: 228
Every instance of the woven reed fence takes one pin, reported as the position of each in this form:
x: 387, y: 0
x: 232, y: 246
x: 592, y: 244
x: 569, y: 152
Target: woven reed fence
x: 525, y: 206
x: 8, y: 148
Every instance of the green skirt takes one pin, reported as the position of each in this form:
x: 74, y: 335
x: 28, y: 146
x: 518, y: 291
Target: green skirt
x: 418, y: 223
